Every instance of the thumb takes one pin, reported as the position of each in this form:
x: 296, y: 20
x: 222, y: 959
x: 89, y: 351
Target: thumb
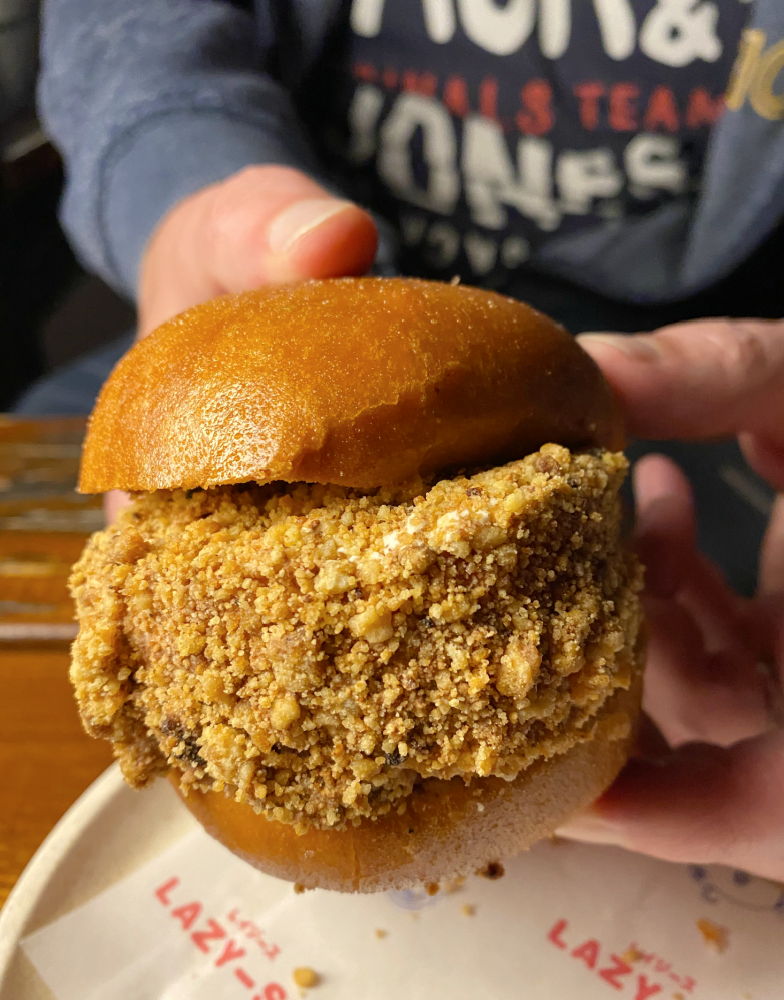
x: 264, y: 225
x: 698, y: 803
x: 273, y: 224
x: 703, y: 379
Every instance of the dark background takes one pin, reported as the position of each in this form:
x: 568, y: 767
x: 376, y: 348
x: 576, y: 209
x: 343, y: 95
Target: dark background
x: 51, y: 311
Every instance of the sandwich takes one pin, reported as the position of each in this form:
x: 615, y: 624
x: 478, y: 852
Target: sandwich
x: 370, y: 608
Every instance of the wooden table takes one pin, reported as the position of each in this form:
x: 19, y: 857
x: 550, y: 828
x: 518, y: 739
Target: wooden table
x: 46, y: 760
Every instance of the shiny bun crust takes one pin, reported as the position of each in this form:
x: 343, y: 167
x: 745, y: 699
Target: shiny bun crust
x: 362, y: 382
x: 449, y: 829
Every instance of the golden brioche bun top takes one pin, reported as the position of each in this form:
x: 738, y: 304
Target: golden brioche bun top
x: 363, y: 382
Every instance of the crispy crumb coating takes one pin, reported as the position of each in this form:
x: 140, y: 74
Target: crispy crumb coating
x: 314, y: 650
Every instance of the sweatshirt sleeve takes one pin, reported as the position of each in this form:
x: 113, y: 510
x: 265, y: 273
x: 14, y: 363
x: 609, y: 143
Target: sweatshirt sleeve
x: 149, y: 101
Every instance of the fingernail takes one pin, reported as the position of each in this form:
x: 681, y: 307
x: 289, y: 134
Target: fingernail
x: 638, y: 346
x: 300, y: 218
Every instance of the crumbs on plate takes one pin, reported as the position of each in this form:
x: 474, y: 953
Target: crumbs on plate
x: 716, y: 937
x: 305, y: 977
x: 493, y: 870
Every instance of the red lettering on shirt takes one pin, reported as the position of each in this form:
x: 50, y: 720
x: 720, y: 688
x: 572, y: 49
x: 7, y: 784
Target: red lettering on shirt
x: 662, y: 111
x: 588, y: 95
x: 365, y: 71
x: 244, y: 978
x: 623, y: 107
x: 420, y: 83
x: 488, y: 98
x: 536, y: 115
x: 456, y: 96
x: 389, y: 78
x: 703, y: 109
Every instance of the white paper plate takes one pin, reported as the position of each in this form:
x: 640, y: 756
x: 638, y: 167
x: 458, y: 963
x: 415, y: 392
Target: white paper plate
x: 555, y: 927
x: 106, y: 834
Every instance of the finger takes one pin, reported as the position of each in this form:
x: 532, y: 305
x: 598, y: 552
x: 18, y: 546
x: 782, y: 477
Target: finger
x: 273, y: 224
x: 665, y: 532
x: 765, y: 457
x: 650, y: 742
x: 714, y: 606
x: 114, y: 502
x: 666, y: 541
x: 692, y: 694
x: 704, y: 804
x: 771, y: 574
x: 265, y: 225
x: 701, y: 681
x: 697, y: 380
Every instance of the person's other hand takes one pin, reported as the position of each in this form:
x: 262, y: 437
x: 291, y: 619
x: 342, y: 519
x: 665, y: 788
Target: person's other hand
x: 264, y: 225
x: 709, y: 785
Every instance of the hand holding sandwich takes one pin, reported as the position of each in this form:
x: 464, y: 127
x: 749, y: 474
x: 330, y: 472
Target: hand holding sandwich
x: 703, y: 689
x: 715, y: 661
x: 264, y: 225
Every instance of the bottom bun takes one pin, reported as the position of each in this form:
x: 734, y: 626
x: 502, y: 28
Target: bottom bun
x: 448, y: 829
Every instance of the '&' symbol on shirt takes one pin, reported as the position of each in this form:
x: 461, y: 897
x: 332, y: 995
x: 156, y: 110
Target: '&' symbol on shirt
x: 513, y: 150
x: 674, y: 32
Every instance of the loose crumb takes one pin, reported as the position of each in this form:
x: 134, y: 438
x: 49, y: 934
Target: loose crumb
x: 745, y: 996
x: 493, y: 870
x: 631, y: 955
x: 678, y: 996
x: 454, y: 885
x: 468, y: 910
x: 305, y: 977
x: 716, y: 937
x: 299, y: 888
x: 414, y: 915
x: 432, y: 888
x: 380, y: 933
x: 315, y: 651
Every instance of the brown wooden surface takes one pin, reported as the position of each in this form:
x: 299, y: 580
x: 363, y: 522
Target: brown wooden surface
x: 46, y: 760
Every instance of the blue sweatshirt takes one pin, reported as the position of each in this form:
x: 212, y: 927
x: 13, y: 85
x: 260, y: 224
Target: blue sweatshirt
x: 582, y: 139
